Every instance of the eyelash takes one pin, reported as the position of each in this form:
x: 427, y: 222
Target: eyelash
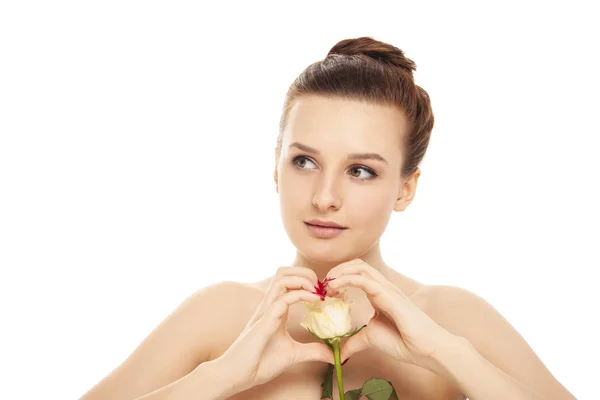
x: 370, y: 171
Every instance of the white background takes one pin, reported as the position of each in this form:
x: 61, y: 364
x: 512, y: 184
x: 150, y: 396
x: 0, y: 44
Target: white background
x: 136, y: 163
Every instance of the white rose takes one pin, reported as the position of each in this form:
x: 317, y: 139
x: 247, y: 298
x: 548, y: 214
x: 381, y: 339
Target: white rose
x: 328, y: 318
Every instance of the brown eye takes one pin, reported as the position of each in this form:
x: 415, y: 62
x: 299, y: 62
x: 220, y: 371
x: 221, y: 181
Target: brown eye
x: 356, y: 171
x: 300, y: 162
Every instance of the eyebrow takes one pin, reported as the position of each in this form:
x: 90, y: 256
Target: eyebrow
x: 353, y: 156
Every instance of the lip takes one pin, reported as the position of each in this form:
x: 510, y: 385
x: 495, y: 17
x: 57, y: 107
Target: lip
x: 324, y: 232
x: 328, y: 224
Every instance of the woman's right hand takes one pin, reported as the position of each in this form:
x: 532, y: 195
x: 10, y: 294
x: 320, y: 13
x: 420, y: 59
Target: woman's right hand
x: 265, y: 349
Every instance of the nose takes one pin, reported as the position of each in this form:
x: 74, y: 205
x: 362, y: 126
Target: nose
x: 326, y: 196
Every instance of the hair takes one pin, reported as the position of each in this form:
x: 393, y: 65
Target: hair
x: 365, y: 69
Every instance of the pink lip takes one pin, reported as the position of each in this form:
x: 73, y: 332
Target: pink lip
x: 324, y: 232
x: 329, y: 224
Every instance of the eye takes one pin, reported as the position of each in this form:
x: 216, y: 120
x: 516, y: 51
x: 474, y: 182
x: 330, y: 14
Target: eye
x: 371, y: 174
x: 355, y: 171
x: 300, y: 161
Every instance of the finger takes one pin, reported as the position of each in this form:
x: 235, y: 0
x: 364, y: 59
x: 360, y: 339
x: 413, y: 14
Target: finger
x: 360, y: 267
x: 380, y: 295
x: 273, y: 314
x: 285, y: 283
x: 368, y: 273
x: 334, y: 272
x: 354, y: 344
x: 268, y: 322
x: 370, y: 286
x: 280, y: 286
x: 313, y: 352
x: 354, y: 268
x: 272, y: 319
x: 297, y: 271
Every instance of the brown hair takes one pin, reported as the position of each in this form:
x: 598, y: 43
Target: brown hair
x: 365, y: 69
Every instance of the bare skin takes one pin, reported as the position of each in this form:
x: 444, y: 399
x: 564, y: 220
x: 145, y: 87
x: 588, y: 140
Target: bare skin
x: 364, y: 206
x: 304, y: 380
x: 322, y: 172
x: 198, y: 331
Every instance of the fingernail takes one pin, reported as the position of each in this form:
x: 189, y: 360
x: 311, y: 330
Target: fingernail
x: 345, y: 360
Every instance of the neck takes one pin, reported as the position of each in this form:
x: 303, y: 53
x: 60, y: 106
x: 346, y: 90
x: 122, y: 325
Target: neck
x: 371, y: 257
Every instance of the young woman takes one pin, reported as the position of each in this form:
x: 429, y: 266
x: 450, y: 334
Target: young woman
x: 354, y: 130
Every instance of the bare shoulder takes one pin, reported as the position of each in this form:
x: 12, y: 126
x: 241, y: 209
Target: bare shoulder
x: 465, y: 314
x: 221, y: 301
x: 200, y: 325
x: 468, y: 315
x: 451, y: 306
x: 233, y: 304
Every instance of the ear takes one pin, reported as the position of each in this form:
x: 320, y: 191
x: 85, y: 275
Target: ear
x: 275, y: 175
x: 407, y: 191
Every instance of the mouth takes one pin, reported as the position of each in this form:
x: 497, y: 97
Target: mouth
x: 325, y: 226
x: 324, y: 232
x: 325, y: 223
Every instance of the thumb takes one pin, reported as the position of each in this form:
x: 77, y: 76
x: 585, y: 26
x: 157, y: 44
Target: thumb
x: 314, y: 352
x: 352, y: 345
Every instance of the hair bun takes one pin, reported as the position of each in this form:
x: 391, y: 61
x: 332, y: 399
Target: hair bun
x: 376, y: 50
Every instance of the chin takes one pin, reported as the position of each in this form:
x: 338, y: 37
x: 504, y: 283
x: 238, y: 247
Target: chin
x: 324, y: 254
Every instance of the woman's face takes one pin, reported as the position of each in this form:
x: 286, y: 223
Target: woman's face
x: 340, y: 161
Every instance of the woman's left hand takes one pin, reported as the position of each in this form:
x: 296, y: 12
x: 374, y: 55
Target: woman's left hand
x: 399, y: 328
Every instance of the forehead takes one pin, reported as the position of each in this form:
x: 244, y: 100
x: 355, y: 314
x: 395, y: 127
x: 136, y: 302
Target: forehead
x: 345, y: 124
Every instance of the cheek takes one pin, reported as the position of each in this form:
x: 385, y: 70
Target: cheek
x: 293, y: 192
x: 288, y: 178
x: 372, y: 214
x: 371, y: 207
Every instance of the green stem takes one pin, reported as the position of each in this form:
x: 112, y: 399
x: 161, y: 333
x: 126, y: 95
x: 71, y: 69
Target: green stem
x: 338, y: 367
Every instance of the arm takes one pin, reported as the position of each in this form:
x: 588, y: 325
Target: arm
x: 485, y: 356
x: 174, y: 348
x: 462, y: 365
x: 208, y: 381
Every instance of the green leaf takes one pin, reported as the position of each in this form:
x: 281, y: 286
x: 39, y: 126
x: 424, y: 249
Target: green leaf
x: 353, y: 394
x: 378, y: 389
x: 354, y: 332
x: 332, y: 341
x: 327, y: 385
x: 328, y: 342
